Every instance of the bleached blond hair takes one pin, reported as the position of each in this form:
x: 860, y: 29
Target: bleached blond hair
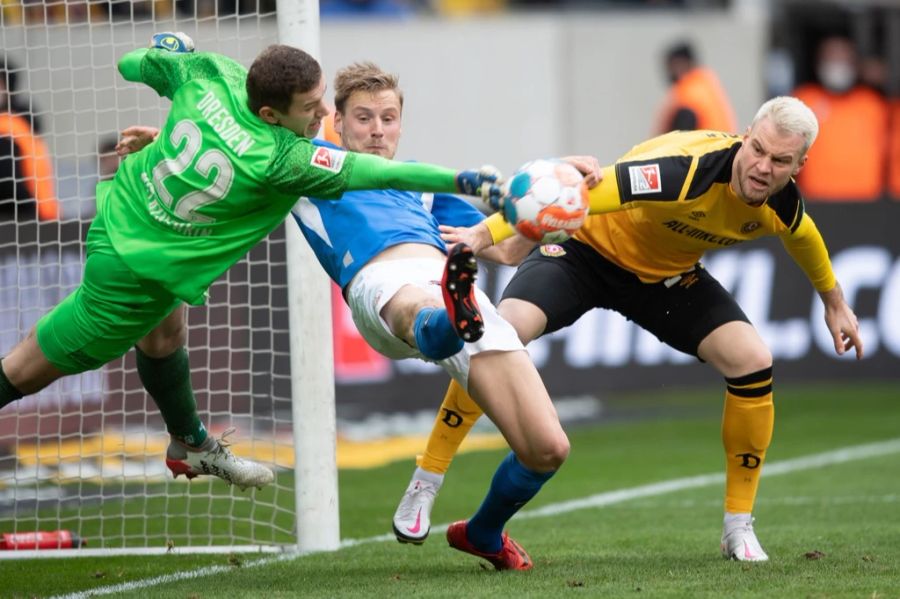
x: 790, y: 115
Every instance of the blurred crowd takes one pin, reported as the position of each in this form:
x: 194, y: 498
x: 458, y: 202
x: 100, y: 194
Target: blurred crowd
x: 33, y: 184
x: 100, y: 11
x: 856, y: 156
x: 33, y: 12
x: 857, y: 152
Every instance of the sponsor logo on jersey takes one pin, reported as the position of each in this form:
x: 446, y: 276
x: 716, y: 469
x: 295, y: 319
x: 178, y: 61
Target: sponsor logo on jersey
x: 645, y: 179
x: 552, y: 250
x: 697, y: 214
x: 328, y: 159
x: 750, y: 227
x: 695, y: 233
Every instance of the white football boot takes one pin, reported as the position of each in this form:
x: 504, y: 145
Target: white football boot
x: 214, y: 457
x: 412, y: 520
x: 739, y: 542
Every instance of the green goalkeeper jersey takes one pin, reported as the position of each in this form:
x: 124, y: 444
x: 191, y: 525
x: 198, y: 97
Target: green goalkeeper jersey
x: 217, y: 179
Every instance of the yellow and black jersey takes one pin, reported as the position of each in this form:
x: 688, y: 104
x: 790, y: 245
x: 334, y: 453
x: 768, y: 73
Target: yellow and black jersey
x: 669, y: 200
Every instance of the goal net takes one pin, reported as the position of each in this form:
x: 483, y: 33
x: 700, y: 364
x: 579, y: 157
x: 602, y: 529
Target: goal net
x: 86, y: 455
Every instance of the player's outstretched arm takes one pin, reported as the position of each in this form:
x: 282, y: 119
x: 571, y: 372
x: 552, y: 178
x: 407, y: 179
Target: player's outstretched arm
x: 510, y: 251
x: 841, y: 322
x: 807, y: 248
x: 374, y: 172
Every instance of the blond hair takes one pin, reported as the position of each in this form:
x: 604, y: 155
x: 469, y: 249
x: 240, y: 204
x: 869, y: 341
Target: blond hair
x: 363, y: 76
x: 790, y: 115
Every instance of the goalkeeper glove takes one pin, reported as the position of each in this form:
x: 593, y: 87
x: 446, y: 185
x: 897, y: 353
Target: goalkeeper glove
x: 177, y: 41
x: 483, y: 183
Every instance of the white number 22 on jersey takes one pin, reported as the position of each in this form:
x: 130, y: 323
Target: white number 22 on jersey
x: 185, y: 207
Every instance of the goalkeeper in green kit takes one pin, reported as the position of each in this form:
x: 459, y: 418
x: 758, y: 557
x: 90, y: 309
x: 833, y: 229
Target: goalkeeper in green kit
x: 232, y: 159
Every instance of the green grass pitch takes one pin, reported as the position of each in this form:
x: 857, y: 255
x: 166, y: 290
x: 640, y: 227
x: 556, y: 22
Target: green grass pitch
x: 831, y: 530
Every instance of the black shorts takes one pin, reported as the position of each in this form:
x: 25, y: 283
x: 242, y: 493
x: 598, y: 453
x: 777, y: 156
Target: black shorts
x: 571, y: 278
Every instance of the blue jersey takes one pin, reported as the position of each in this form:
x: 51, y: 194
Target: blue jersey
x: 347, y: 233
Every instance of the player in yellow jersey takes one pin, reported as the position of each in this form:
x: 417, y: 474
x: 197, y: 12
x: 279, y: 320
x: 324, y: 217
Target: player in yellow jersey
x: 653, y: 215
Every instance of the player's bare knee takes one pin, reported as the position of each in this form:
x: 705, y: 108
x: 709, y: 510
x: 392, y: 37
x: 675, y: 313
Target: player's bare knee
x: 160, y: 343
x: 528, y: 320
x: 558, y: 452
x: 755, y: 361
x: 401, y: 311
x: 550, y: 455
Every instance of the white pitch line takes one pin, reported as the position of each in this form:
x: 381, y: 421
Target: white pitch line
x: 135, y: 585
x: 818, y: 460
x: 792, y: 500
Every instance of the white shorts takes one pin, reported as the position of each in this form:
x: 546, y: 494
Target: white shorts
x: 377, y: 283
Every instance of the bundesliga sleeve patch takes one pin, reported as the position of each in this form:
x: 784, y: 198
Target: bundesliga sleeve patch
x: 328, y: 159
x: 644, y: 179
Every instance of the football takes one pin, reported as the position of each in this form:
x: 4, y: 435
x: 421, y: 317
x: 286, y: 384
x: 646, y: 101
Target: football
x: 546, y: 200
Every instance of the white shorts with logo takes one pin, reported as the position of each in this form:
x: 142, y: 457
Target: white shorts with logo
x: 377, y: 283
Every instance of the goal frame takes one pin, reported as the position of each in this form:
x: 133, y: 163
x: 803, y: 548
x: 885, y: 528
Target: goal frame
x: 316, y: 514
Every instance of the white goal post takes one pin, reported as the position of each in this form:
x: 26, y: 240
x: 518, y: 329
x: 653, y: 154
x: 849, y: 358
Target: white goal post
x: 312, y: 363
x: 87, y: 454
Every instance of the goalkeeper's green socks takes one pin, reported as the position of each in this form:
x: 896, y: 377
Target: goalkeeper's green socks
x: 8, y: 391
x: 168, y: 381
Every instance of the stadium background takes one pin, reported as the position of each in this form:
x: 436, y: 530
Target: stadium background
x: 556, y: 82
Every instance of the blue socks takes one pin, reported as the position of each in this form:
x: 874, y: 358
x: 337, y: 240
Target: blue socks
x: 512, y: 487
x: 435, y: 335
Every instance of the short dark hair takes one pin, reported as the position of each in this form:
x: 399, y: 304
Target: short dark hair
x: 366, y: 77
x: 277, y: 74
x: 682, y: 49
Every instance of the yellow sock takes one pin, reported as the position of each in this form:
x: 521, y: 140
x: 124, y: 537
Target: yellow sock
x: 454, y: 420
x: 747, y: 425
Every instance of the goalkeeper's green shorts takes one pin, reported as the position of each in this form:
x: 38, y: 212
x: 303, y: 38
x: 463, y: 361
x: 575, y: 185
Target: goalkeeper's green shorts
x: 107, y: 314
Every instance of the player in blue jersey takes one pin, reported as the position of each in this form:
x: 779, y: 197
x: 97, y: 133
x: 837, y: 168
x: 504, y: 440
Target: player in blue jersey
x: 385, y: 250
